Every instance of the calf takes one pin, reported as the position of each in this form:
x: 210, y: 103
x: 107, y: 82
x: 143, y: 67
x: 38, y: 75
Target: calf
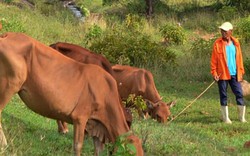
x: 132, y: 80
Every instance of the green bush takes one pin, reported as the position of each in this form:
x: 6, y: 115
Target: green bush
x: 7, y: 1
x: 136, y: 6
x: 122, y: 147
x: 137, y: 102
x: 121, y: 46
x: 228, y: 13
x: 242, y: 5
x: 93, y: 32
x: 84, y: 9
x: 202, y: 48
x: 247, y: 65
x: 134, y: 22
x: 173, y: 34
x: 243, y: 29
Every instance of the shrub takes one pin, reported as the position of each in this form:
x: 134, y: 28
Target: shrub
x: 137, y: 102
x: 243, y: 29
x: 7, y: 1
x: 93, y: 32
x: 122, y: 147
x: 173, y: 34
x: 202, y: 48
x: 228, y: 13
x: 121, y: 46
x: 242, y: 5
x: 84, y: 10
x: 136, y: 6
x: 134, y: 22
x: 247, y: 65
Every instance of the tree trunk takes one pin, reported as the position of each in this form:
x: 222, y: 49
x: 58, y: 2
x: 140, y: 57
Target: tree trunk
x: 149, y: 8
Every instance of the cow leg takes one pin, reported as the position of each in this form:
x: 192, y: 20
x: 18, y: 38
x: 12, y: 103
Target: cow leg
x: 79, y: 127
x: 99, y: 146
x: 62, y: 127
x: 65, y: 126
x: 4, y: 99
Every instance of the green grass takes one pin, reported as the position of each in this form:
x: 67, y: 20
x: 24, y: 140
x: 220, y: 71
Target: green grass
x: 197, y: 131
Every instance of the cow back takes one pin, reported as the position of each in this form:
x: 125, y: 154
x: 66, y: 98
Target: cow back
x: 138, y: 81
x: 82, y: 55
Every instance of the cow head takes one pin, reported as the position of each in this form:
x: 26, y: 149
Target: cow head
x: 160, y: 110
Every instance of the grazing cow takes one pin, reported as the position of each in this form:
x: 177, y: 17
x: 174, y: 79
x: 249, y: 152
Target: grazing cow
x: 139, y: 81
x: 83, y: 55
x: 60, y: 88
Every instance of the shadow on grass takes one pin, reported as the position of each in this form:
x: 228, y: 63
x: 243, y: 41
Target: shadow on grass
x: 26, y: 138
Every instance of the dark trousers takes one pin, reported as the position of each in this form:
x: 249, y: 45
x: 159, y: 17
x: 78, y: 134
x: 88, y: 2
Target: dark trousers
x: 236, y: 88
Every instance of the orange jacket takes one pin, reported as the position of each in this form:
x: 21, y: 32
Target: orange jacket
x: 219, y: 60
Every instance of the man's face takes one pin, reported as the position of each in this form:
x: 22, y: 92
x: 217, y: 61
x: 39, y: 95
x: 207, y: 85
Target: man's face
x: 226, y: 34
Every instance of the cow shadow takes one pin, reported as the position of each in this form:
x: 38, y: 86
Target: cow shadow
x: 37, y: 137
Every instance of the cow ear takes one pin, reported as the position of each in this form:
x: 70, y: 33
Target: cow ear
x: 172, y: 103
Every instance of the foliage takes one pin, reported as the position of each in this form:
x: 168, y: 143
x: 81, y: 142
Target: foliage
x: 108, y: 2
x: 84, y: 10
x: 242, y: 5
x: 134, y: 22
x: 136, y: 6
x: 247, y: 65
x: 123, y: 147
x: 131, y: 48
x: 243, y: 29
x: 13, y: 25
x: 92, y: 33
x: 173, y: 34
x: 7, y: 1
x: 137, y: 102
x: 228, y: 13
x: 202, y: 48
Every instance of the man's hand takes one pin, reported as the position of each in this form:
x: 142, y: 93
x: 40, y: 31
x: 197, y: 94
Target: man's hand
x: 216, y: 78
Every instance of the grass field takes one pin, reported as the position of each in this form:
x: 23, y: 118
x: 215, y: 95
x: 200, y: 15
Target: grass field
x: 197, y: 131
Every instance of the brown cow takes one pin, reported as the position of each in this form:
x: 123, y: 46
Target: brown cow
x: 60, y: 88
x: 139, y: 81
x: 83, y: 55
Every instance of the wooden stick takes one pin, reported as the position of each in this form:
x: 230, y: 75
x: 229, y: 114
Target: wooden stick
x: 191, y: 102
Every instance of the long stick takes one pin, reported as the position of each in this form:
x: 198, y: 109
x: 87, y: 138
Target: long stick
x: 192, y: 102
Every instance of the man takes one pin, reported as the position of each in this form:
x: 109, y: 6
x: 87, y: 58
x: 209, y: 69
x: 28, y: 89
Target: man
x: 227, y: 68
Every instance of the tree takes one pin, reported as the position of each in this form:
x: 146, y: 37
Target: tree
x: 149, y: 8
